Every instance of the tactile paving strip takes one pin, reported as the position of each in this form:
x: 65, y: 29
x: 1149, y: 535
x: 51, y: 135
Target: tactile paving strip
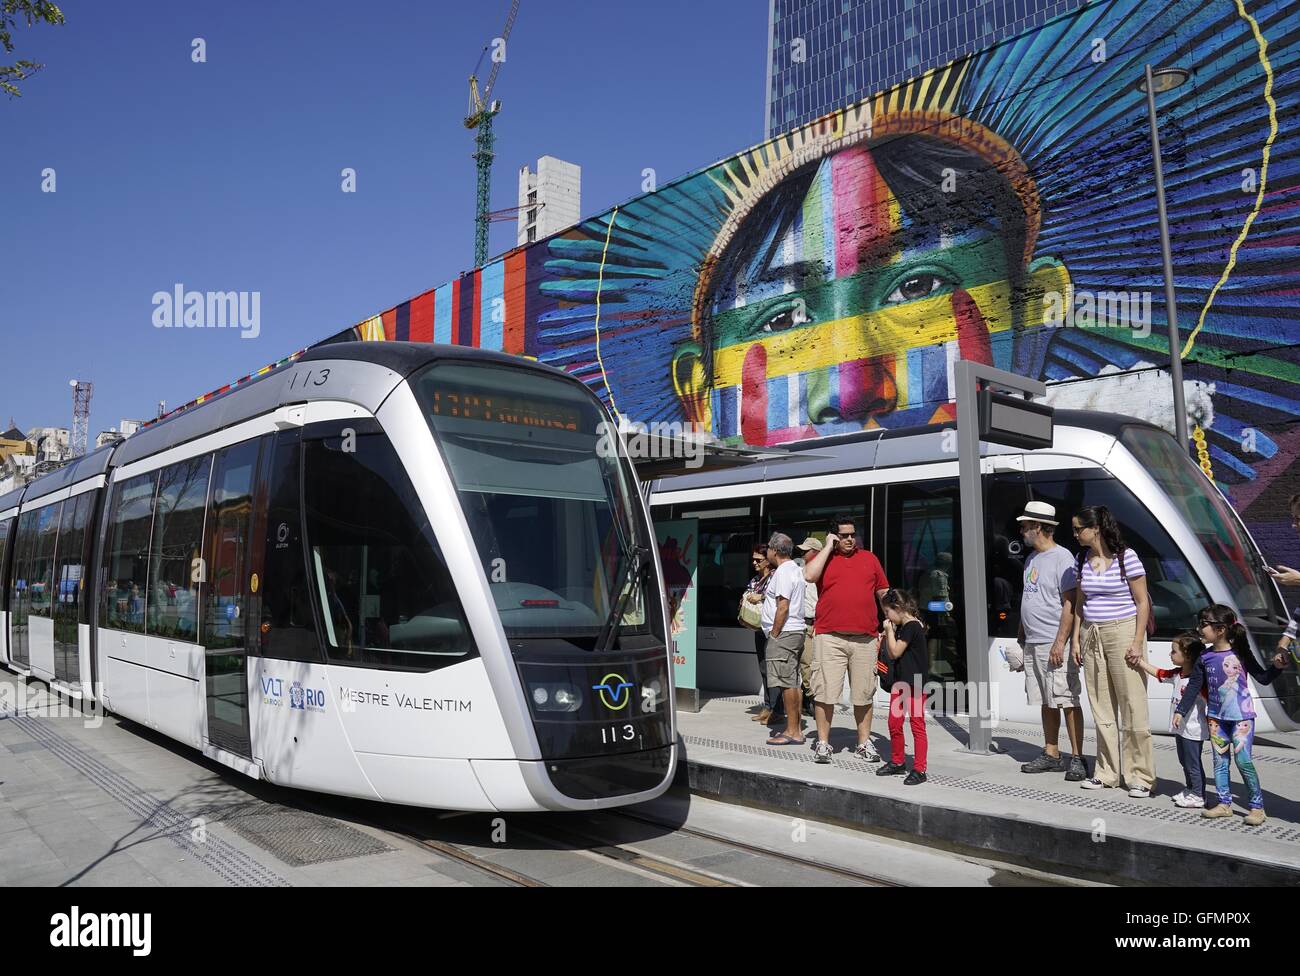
x: 297, y: 837
x: 233, y: 865
x: 1164, y: 743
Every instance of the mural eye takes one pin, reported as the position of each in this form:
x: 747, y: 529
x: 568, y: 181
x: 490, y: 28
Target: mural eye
x: 785, y: 319
x: 917, y: 286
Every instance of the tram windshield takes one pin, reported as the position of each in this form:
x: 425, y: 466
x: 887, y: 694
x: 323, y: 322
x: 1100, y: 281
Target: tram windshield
x: 1210, y: 517
x: 550, y: 511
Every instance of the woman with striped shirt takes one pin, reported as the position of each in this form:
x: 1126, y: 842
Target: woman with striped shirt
x: 1114, y: 610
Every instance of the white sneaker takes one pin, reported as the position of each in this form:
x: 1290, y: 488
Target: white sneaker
x: 822, y: 752
x: 1139, y: 792
x: 867, y: 752
x: 1189, y: 801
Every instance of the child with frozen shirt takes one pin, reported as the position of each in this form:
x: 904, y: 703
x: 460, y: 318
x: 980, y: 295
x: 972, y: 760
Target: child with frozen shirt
x: 1191, y: 733
x: 1230, y: 709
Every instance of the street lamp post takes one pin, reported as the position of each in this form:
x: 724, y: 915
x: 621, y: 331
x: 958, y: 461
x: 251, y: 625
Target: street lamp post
x: 1163, y: 80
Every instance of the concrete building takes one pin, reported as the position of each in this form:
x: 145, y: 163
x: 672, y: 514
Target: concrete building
x: 824, y: 54
x: 124, y: 429
x: 550, y: 199
x: 51, y: 443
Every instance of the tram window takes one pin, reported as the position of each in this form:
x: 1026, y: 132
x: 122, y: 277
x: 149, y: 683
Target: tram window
x: 42, y: 571
x: 126, y: 554
x: 1176, y: 592
x: 727, y: 539
x: 176, y: 543
x: 385, y: 592
x: 4, y: 551
x: 229, y: 554
x: 288, y: 629
x: 19, y: 589
x: 69, y: 573
x: 549, y: 509
x: 1004, y: 551
x: 922, y: 554
x: 801, y: 514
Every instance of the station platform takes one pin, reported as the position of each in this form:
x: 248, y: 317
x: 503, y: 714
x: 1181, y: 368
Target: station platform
x: 986, y: 804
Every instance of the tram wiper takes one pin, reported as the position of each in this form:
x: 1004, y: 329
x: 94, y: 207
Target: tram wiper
x: 636, y: 565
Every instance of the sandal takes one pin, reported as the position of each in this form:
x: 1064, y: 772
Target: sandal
x: 785, y: 740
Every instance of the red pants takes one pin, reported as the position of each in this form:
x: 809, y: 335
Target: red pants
x: 904, y: 699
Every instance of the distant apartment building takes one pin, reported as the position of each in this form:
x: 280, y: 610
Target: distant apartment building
x: 549, y: 200
x: 124, y: 429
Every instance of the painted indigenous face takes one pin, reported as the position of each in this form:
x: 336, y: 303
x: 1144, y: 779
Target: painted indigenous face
x: 845, y: 301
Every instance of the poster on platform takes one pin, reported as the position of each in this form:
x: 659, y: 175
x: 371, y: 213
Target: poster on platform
x: 677, y: 554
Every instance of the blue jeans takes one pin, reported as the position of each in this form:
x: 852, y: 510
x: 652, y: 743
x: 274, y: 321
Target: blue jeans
x: 1189, y: 754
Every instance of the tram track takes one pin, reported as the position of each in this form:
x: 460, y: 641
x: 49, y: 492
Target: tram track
x: 594, y: 842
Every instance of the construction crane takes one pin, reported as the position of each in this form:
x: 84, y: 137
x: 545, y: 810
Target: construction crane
x: 481, y: 112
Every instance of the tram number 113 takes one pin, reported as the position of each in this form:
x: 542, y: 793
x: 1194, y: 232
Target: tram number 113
x: 612, y: 734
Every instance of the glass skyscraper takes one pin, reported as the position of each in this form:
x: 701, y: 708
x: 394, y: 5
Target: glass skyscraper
x: 854, y: 48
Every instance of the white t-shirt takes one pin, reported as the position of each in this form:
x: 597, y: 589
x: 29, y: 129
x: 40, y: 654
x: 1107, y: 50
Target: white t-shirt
x: 786, y: 581
x: 1194, y: 726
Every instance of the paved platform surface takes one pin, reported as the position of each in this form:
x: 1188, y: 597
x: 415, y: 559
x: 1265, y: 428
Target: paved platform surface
x: 114, y: 804
x: 986, y: 803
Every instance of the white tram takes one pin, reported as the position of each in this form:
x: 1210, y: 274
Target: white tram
x: 396, y: 571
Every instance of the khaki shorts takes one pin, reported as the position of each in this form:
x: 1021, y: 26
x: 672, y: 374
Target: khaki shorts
x: 836, y: 654
x: 782, y: 654
x: 806, y: 660
x: 1054, y: 687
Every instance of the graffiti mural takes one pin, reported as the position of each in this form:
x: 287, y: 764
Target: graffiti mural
x: 1001, y: 208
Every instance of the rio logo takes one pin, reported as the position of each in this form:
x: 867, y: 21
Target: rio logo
x: 307, y: 699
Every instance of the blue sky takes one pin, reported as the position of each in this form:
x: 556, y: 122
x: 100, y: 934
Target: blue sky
x: 226, y: 175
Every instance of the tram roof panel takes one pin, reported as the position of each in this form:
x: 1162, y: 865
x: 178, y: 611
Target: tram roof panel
x: 86, y: 466
x: 879, y: 448
x: 404, y: 358
x: 368, y: 373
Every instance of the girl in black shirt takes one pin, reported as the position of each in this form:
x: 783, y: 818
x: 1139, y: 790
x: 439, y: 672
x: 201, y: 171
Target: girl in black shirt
x: 903, y: 645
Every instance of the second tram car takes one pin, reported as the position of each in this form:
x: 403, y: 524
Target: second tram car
x: 901, y: 486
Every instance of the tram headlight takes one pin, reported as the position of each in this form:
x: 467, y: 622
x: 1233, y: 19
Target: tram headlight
x: 556, y: 697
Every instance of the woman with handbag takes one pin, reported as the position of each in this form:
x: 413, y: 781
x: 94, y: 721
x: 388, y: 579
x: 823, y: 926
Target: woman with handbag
x: 1110, y: 639
x: 750, y: 615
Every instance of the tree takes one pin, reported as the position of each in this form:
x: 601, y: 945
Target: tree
x: 31, y: 11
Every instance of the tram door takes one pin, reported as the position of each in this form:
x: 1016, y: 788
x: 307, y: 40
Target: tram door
x: 231, y: 580
x: 922, y: 553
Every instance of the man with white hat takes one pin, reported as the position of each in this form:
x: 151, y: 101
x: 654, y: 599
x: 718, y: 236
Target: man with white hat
x: 1046, y: 621
x: 809, y: 545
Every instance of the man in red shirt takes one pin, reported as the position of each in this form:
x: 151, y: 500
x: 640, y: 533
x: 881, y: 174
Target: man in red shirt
x: 849, y: 581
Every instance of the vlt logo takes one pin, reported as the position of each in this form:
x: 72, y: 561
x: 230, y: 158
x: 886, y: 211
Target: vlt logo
x: 615, y: 692
x: 272, y: 690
